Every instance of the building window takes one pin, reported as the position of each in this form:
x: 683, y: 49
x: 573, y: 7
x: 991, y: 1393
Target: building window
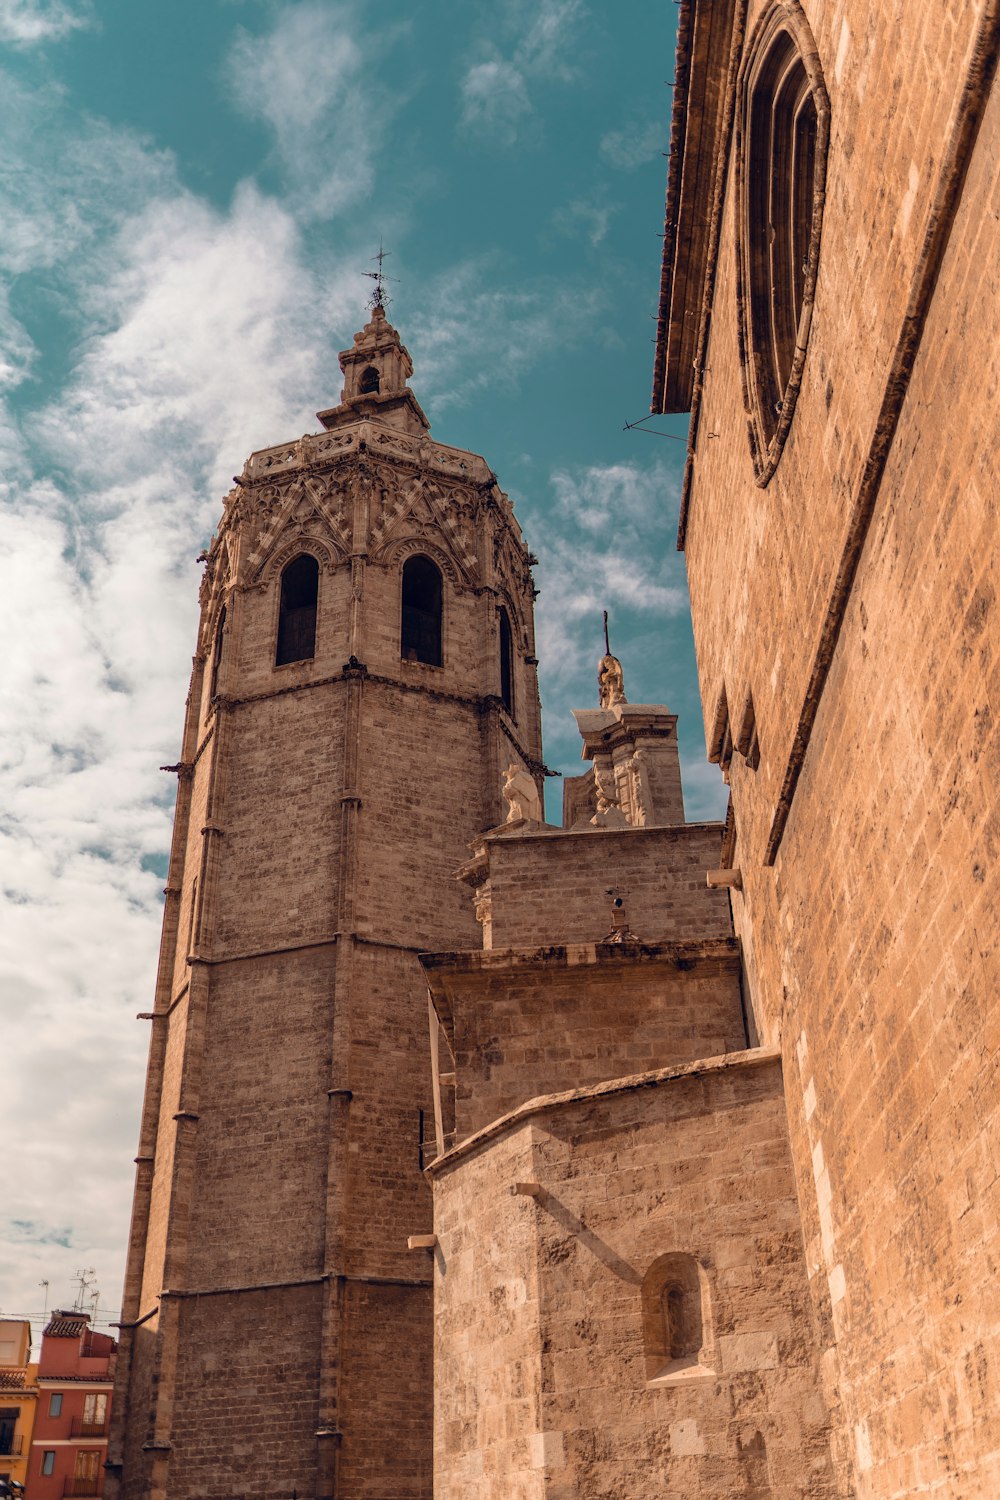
x: 297, y: 611
x: 369, y: 382
x: 8, y: 1426
x: 506, y: 662
x: 217, y: 651
x: 675, y: 1315
x: 48, y: 1462
x: 55, y: 1404
x: 95, y: 1411
x: 781, y: 142
x: 422, y: 607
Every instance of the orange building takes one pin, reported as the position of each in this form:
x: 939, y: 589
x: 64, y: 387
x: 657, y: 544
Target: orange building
x: 18, y: 1397
x: 75, y: 1377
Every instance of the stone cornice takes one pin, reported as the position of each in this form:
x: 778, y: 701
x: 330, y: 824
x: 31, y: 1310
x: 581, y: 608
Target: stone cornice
x: 707, y: 1068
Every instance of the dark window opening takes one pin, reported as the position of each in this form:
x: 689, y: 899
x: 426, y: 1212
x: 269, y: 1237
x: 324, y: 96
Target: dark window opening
x: 217, y: 651
x: 506, y: 663
x: 369, y: 381
x: 781, y: 134
x: 297, y: 611
x: 420, y: 626
x: 682, y: 1321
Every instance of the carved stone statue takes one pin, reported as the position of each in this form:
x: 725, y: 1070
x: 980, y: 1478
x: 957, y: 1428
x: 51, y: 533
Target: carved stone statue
x: 609, y: 813
x: 611, y: 680
x: 521, y: 795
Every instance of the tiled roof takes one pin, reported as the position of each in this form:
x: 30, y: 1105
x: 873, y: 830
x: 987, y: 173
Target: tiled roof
x: 12, y: 1379
x: 66, y: 1328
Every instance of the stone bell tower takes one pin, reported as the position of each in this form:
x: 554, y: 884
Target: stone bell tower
x: 365, y: 673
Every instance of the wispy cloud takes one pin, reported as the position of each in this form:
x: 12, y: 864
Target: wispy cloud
x: 636, y: 142
x: 26, y: 23
x: 473, y: 332
x: 497, y: 90
x: 328, y: 123
x: 590, y: 217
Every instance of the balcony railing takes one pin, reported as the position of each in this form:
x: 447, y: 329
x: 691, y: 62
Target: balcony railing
x: 10, y: 1444
x: 80, y: 1427
x: 91, y: 1488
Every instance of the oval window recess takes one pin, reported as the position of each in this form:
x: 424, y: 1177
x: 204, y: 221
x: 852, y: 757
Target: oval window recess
x: 782, y: 138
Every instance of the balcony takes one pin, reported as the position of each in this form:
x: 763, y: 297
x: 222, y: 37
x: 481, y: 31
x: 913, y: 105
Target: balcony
x: 91, y: 1488
x: 10, y: 1444
x: 80, y: 1427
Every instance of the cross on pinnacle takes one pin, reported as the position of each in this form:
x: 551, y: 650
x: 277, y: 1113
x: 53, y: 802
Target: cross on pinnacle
x: 378, y: 297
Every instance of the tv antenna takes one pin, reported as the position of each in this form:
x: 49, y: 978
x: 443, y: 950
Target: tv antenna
x: 88, y: 1291
x: 378, y: 296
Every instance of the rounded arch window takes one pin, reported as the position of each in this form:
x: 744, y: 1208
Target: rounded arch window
x: 297, y: 611
x: 369, y: 381
x: 676, y: 1319
x: 783, y: 130
x: 506, y: 662
x: 421, y: 612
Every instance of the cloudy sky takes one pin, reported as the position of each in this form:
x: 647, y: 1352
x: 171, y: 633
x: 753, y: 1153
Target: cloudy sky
x: 188, y: 196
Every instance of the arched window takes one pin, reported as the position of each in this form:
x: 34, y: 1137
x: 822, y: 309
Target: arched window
x: 506, y: 662
x: 369, y: 381
x: 420, y: 624
x: 781, y: 164
x: 675, y: 1317
x: 217, y: 651
x: 297, y: 611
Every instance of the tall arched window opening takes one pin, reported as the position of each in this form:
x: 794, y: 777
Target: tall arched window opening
x: 782, y: 136
x: 297, y: 611
x: 369, y: 382
x: 506, y: 662
x: 422, y: 607
x: 217, y: 651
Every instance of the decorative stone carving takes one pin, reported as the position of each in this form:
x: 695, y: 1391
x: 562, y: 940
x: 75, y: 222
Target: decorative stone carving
x: 608, y: 814
x: 611, y: 681
x: 521, y: 795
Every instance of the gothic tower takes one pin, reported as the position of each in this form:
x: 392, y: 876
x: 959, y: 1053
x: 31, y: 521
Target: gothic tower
x: 365, y: 672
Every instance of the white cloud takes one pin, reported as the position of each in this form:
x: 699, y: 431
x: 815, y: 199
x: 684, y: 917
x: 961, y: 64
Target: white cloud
x: 470, y: 332
x: 590, y: 217
x: 600, y: 548
x: 328, y: 121
x: 636, y: 143
x: 496, y: 92
x: 25, y: 23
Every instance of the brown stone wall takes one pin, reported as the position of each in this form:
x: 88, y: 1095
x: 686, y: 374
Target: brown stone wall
x: 553, y: 887
x: 538, y: 1021
x: 870, y: 943
x: 546, y: 1296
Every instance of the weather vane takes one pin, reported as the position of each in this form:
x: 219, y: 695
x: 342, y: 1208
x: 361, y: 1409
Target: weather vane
x: 378, y: 297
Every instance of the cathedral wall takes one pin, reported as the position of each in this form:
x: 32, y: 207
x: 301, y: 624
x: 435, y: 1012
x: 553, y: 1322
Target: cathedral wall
x: 263, y: 1122
x: 166, y: 1139
x: 419, y: 809
x: 280, y: 817
x: 190, y: 871
x: 245, y: 1408
x: 488, y: 1439
x: 387, y: 1368
x: 536, y: 1022
x: 556, y: 1296
x: 869, y: 945
x: 554, y: 888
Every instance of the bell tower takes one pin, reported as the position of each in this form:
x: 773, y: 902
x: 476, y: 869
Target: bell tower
x: 364, y: 675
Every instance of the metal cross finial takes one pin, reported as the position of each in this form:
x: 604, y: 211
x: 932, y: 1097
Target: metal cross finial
x: 378, y: 297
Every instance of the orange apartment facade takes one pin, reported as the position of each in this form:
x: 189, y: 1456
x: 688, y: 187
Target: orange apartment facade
x: 75, y: 1378
x: 18, y: 1397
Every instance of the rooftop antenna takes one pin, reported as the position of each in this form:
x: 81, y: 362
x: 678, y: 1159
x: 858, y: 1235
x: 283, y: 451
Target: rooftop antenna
x: 45, y: 1305
x: 378, y: 296
x: 87, y: 1292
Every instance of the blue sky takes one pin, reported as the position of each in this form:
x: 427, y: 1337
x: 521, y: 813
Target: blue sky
x: 189, y: 194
